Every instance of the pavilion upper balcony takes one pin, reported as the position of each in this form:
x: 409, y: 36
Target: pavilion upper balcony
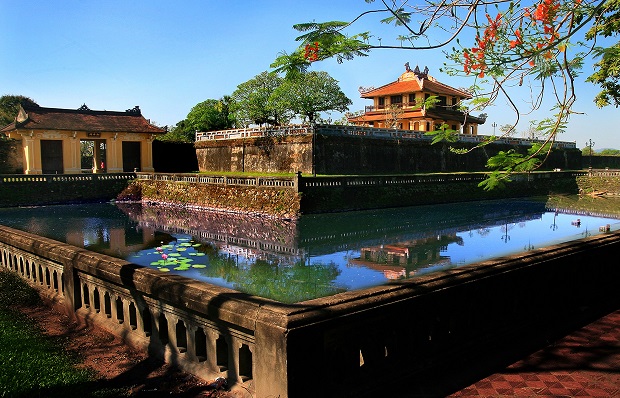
x: 404, y: 105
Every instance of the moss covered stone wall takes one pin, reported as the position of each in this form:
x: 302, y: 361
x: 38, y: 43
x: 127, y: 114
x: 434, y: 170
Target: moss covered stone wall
x: 600, y: 183
x: 281, y: 203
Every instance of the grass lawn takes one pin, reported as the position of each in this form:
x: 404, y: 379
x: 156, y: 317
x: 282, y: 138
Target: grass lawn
x: 31, y: 364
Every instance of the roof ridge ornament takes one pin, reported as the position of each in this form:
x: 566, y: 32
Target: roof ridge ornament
x: 135, y: 109
x: 419, y: 74
x: 83, y: 108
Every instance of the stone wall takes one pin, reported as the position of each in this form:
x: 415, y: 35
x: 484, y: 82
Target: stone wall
x: 288, y: 154
x: 600, y: 182
x: 335, y: 154
x: 293, y: 196
x: 174, y: 157
x: 269, y: 201
x: 11, y: 161
x: 602, y: 162
x: 42, y: 189
x: 326, y: 194
x: 363, y: 155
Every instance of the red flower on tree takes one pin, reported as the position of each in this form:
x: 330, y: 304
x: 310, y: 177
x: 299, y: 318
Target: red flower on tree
x: 311, y: 52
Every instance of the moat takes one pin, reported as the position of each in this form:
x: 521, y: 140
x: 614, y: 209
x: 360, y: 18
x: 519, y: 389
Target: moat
x: 317, y: 255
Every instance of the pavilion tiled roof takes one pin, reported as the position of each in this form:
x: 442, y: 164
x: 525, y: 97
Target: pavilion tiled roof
x: 412, y: 85
x: 83, y: 119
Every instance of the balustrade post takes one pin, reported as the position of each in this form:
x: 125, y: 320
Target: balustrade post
x: 73, y: 288
x: 297, y: 181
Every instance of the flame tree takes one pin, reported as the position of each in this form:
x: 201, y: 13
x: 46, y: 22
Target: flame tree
x: 503, y: 46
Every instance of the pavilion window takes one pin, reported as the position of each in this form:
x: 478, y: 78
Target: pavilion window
x: 381, y: 102
x: 396, y: 100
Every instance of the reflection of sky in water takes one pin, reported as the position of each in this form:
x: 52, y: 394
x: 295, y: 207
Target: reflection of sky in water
x: 518, y: 237
x: 477, y: 245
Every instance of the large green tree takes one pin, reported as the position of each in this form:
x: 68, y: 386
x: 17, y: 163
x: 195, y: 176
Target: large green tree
x: 211, y: 115
x: 310, y: 94
x: 503, y: 46
x: 253, y: 101
x: 208, y: 115
x: 181, y: 132
x: 9, y: 106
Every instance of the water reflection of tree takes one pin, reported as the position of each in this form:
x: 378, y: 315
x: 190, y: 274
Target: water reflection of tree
x: 483, y: 231
x: 287, y: 284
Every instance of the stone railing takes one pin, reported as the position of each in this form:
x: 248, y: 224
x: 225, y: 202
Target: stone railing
x: 329, y: 346
x: 371, y: 132
x: 253, y: 132
x: 438, y: 178
x: 299, y: 182
x: 201, y: 328
x: 265, y: 182
x: 38, y: 178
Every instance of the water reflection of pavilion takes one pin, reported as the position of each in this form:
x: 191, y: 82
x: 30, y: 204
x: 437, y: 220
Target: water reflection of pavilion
x: 402, y: 259
x: 388, y: 240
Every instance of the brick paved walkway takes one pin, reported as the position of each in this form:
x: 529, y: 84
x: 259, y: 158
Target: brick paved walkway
x: 585, y: 363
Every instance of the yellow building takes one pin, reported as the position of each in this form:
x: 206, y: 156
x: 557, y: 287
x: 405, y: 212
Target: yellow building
x: 398, y: 105
x: 53, y: 141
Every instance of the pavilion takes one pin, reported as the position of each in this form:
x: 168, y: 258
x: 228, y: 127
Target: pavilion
x: 53, y: 140
x: 399, y: 105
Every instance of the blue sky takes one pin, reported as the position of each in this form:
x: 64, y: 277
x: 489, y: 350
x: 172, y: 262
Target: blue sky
x: 167, y: 56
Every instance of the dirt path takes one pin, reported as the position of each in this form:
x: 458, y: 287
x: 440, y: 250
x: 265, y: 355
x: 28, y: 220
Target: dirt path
x: 117, y: 365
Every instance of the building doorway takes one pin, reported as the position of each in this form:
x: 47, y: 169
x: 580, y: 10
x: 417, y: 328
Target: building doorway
x: 93, y: 156
x: 51, y: 157
x: 131, y: 156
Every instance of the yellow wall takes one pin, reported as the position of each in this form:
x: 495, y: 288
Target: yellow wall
x: 31, y: 147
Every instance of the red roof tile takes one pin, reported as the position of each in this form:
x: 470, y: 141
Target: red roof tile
x: 83, y: 119
x: 412, y: 85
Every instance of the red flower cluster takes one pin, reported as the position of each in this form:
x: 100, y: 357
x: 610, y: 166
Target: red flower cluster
x: 518, y: 40
x: 311, y: 52
x: 546, y: 12
x: 475, y: 58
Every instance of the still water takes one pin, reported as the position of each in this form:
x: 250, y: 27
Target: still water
x: 315, y: 256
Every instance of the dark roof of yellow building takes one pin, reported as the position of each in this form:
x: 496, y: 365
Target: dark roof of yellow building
x: 82, y: 119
